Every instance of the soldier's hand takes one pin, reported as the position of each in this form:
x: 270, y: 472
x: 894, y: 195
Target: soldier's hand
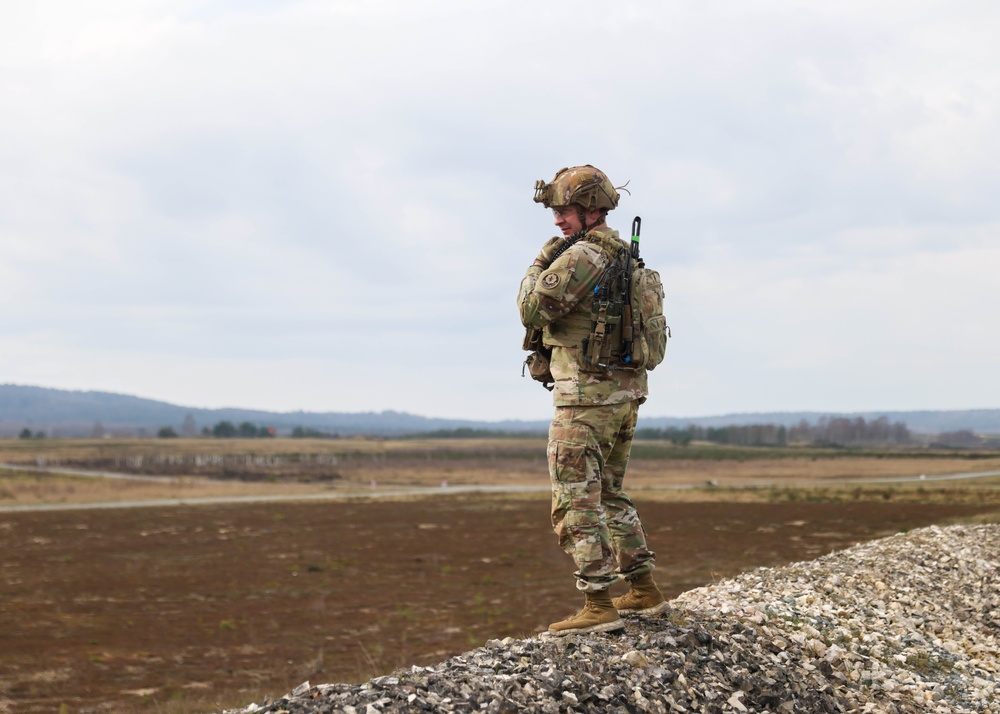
x: 544, y: 259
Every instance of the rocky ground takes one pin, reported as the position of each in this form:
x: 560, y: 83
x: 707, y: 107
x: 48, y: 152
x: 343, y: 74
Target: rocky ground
x: 908, y: 623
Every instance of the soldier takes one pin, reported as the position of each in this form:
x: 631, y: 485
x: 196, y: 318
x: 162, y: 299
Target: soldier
x: 595, y: 406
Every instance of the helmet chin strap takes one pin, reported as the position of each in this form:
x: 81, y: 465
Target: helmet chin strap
x: 583, y: 222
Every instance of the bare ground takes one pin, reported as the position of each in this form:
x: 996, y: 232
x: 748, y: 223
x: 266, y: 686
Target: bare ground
x: 186, y: 609
x: 196, y: 608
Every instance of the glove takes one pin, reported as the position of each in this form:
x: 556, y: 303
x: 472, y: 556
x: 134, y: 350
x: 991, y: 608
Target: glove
x: 544, y: 259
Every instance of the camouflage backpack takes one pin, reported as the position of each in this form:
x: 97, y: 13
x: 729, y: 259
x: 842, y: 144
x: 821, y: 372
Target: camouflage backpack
x: 629, y: 329
x: 649, y: 325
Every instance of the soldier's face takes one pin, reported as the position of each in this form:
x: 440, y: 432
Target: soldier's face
x: 567, y: 220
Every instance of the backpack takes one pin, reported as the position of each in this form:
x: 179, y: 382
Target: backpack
x: 649, y: 325
x: 627, y: 304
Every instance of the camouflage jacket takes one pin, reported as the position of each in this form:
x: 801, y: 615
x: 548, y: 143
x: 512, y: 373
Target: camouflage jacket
x: 558, y: 300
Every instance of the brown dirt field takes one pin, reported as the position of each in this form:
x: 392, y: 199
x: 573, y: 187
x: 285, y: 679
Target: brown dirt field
x: 195, y: 608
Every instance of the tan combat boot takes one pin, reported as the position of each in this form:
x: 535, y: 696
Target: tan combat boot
x: 598, y: 615
x: 642, y: 598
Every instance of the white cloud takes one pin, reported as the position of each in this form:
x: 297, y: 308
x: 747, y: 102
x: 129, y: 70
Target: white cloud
x: 193, y: 194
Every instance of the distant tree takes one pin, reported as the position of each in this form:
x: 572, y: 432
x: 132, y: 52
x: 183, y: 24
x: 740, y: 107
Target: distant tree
x: 205, y: 431
x: 841, y: 431
x: 307, y: 433
x: 189, y: 428
x: 224, y: 430
x: 167, y: 432
x: 97, y: 431
x: 679, y: 437
x: 25, y: 433
x: 248, y: 430
x: 963, y: 439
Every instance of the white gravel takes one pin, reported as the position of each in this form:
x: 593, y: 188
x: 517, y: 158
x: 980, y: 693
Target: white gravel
x: 903, y: 624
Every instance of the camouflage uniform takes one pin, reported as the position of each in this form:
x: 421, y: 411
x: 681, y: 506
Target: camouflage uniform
x: 591, y: 433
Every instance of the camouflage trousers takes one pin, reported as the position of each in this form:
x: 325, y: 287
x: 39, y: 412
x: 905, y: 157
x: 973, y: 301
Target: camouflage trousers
x: 595, y: 520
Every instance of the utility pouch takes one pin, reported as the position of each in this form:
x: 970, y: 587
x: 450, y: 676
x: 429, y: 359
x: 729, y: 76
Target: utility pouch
x: 532, y: 339
x: 602, y: 346
x: 537, y: 364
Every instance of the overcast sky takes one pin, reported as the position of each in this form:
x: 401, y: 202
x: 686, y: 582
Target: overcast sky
x: 327, y: 205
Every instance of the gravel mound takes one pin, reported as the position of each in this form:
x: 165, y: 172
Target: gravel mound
x: 903, y: 624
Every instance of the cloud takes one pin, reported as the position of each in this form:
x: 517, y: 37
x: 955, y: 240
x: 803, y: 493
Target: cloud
x: 195, y: 194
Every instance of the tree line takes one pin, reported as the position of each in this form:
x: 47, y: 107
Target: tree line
x: 828, y: 431
x: 245, y: 430
x: 227, y: 430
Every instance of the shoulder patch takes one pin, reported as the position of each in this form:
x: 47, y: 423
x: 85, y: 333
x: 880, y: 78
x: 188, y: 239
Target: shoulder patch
x: 554, y: 282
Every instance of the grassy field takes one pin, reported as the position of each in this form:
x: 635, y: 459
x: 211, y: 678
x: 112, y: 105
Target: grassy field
x: 216, y: 467
x: 191, y: 608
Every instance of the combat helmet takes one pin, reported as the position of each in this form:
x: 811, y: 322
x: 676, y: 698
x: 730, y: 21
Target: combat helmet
x: 585, y: 186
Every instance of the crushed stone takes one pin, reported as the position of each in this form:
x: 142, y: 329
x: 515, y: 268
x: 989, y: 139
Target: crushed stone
x: 908, y: 623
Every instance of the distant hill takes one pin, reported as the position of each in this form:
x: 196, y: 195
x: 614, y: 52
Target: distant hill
x: 981, y: 421
x: 60, y: 412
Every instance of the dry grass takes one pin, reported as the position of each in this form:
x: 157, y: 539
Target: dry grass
x: 18, y: 450
x: 315, y: 467
x: 22, y: 488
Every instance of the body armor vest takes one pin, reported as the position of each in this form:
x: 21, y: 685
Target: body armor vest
x: 597, y: 332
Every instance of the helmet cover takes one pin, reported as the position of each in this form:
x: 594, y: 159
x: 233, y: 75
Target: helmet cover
x: 585, y: 186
